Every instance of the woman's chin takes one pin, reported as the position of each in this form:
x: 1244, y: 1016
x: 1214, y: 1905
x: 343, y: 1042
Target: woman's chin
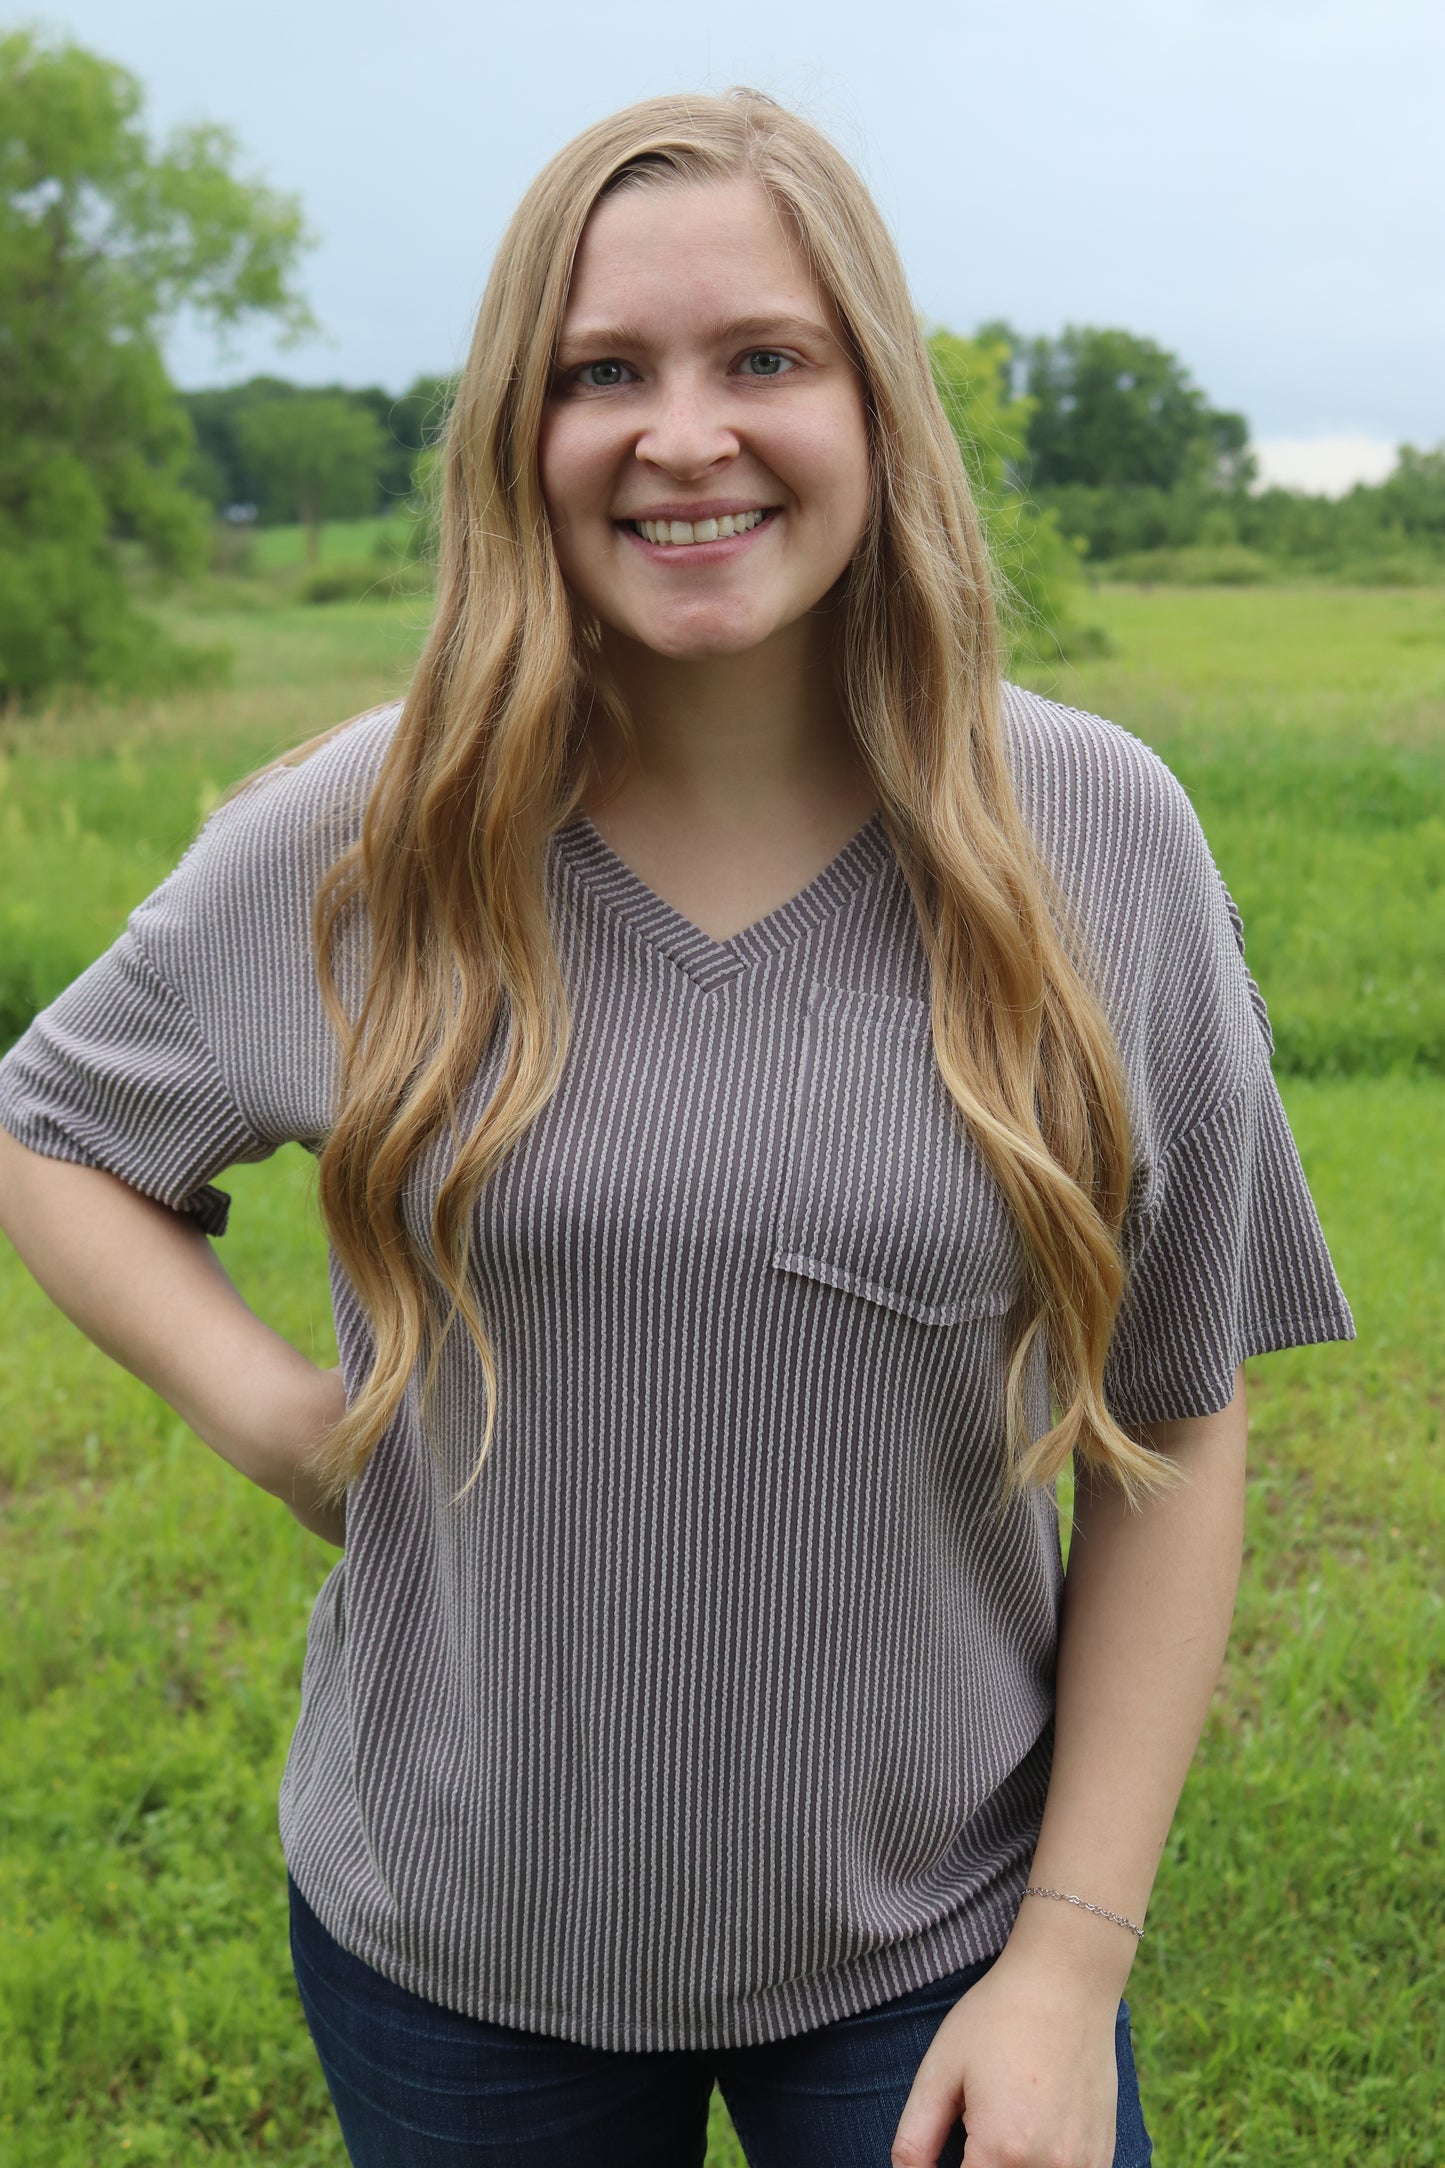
x: 703, y: 637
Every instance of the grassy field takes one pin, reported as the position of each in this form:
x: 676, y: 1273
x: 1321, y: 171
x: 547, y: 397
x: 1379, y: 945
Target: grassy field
x: 343, y: 541
x: 1290, y: 1998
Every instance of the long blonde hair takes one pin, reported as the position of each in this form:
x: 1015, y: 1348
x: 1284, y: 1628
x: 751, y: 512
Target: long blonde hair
x: 491, y: 755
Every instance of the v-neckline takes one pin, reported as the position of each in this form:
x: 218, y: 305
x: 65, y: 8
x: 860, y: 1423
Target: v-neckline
x: 588, y: 856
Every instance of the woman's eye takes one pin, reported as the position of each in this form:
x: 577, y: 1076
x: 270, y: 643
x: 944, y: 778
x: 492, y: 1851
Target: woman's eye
x: 766, y: 363
x: 600, y: 375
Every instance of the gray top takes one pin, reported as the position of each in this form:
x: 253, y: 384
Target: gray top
x: 720, y: 1708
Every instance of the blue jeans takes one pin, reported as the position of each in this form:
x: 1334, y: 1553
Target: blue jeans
x: 415, y: 2085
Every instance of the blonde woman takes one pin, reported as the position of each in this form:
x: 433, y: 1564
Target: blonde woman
x: 780, y: 1095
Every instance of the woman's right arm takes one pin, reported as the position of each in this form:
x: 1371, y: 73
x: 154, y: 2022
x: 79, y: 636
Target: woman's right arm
x: 145, y: 1284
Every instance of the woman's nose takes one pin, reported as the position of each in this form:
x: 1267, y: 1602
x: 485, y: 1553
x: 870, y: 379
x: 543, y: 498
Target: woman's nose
x: 687, y: 431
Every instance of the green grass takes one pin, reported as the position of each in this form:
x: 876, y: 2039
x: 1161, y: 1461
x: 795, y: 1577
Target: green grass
x: 96, y: 804
x: 1308, y: 724
x: 1288, y: 1999
x: 1291, y: 1993
x: 343, y: 541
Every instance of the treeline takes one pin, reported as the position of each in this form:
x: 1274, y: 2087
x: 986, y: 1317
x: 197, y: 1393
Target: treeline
x: 1095, y: 441
x: 290, y: 452
x: 1126, y: 452
x: 1384, y: 532
x: 1099, y: 433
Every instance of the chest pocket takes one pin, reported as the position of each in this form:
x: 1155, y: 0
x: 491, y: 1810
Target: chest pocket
x: 885, y: 1193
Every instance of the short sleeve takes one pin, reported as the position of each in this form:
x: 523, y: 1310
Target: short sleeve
x: 1227, y: 1256
x: 1229, y: 1261
x: 1224, y: 1250
x: 200, y: 1038
x: 116, y: 1073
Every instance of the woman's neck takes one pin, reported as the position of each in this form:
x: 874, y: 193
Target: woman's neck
x: 732, y: 739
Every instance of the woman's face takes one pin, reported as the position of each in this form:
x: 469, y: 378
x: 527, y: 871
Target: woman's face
x: 702, y: 385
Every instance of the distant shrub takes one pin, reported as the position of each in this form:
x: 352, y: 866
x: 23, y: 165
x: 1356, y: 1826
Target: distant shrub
x: 1396, y: 568
x: 1229, y: 565
x: 233, y: 550
x: 67, y: 619
x: 357, y: 582
x: 391, y: 569
x: 1083, y: 643
x: 229, y: 594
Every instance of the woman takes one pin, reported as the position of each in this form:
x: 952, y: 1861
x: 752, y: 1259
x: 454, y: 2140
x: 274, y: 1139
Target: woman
x: 779, y: 1096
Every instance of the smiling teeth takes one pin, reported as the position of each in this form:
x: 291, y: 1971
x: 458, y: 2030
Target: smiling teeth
x: 671, y: 531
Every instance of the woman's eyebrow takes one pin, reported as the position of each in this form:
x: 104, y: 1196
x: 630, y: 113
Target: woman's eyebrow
x: 625, y: 338
x: 781, y: 326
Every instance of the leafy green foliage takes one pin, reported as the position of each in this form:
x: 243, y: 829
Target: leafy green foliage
x: 1385, y: 534
x: 1225, y: 564
x: 223, y: 472
x: 1412, y: 499
x: 315, y: 456
x: 1129, y: 456
x: 1111, y: 410
x: 102, y: 239
x: 1034, y: 563
x: 1114, y: 523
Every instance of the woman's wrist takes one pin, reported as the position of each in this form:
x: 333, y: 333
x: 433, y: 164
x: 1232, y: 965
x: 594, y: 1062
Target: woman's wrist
x: 266, y: 1419
x: 1079, y: 1948
x: 293, y: 1404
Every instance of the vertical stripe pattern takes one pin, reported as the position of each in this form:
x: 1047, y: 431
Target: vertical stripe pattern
x: 720, y: 1707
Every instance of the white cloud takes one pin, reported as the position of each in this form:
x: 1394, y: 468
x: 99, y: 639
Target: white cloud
x: 1325, y: 466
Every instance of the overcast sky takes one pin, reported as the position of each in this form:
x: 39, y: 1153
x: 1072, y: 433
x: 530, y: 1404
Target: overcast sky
x: 1258, y: 184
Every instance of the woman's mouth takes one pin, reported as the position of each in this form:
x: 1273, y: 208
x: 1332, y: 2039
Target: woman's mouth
x: 684, y: 534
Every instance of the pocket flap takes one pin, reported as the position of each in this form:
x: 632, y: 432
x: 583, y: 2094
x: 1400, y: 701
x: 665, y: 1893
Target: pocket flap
x: 886, y: 1195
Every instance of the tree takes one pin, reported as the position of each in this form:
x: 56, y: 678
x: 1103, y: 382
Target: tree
x: 1413, y: 496
x: 316, y: 455
x: 409, y: 424
x: 313, y: 456
x: 219, y: 469
x: 1113, y: 411
x: 223, y: 473
x: 1034, y: 561
x: 103, y: 240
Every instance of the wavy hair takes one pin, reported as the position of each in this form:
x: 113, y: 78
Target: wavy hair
x: 491, y: 755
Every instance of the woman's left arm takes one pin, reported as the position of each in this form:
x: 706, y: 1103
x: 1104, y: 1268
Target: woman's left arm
x: 1027, y: 2056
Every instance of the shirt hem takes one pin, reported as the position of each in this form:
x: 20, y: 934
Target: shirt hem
x: 208, y: 1207
x: 863, y: 1983
x: 1316, y: 1329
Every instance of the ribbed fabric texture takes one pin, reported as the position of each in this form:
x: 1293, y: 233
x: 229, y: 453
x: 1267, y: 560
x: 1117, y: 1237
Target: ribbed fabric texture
x: 720, y: 1707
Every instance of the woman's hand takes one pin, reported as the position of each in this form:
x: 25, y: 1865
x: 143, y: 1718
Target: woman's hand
x: 1027, y: 2061
x: 1027, y: 2057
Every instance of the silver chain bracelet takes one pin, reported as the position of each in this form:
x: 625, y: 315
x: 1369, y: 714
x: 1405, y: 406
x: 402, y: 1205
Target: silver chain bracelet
x: 1099, y: 1911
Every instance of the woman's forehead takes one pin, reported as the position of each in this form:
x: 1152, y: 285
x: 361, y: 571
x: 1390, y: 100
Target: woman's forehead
x: 726, y: 230
x: 719, y: 250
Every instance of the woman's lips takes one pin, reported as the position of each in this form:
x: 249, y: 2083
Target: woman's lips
x: 704, y: 552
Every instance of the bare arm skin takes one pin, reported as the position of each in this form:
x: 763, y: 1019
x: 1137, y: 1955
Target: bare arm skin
x: 1027, y: 2056
x: 147, y: 1287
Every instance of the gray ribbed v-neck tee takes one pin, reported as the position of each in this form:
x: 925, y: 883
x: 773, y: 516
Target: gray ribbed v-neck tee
x: 720, y: 1707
